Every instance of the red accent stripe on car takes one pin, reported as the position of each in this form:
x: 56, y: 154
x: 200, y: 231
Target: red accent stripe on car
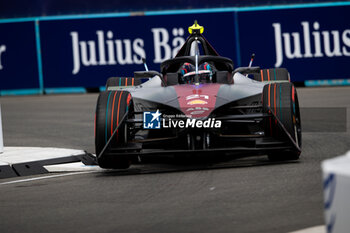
x: 120, y: 97
x: 132, y: 81
x: 106, y: 122
x: 293, y: 93
x: 128, y: 99
x: 269, y: 100
x: 268, y: 74
x: 280, y: 115
x: 262, y: 75
x: 269, y: 95
x: 113, y: 112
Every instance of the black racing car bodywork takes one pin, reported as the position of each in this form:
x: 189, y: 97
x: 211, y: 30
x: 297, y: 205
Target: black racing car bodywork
x: 231, y: 112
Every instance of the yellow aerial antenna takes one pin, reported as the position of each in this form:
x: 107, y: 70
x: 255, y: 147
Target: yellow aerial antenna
x: 196, y: 28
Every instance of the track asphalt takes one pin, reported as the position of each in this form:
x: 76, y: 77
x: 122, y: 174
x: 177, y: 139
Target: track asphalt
x: 245, y: 195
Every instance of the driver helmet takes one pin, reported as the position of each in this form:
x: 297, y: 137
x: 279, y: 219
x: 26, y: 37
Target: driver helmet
x: 188, y: 72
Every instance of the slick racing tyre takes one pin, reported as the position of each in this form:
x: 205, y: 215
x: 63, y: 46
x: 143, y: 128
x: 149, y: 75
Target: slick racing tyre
x: 122, y: 82
x: 282, y: 100
x: 110, y: 110
x: 275, y: 74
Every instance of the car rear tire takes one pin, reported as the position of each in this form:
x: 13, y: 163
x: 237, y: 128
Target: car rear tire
x: 110, y: 109
x: 122, y: 81
x: 274, y: 74
x: 282, y: 99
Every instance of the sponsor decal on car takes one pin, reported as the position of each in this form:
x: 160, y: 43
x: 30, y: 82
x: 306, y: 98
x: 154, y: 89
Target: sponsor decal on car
x: 196, y: 96
x: 201, y: 102
x: 193, y: 111
x: 152, y: 120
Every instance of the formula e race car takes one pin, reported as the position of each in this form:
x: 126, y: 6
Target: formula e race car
x: 197, y: 104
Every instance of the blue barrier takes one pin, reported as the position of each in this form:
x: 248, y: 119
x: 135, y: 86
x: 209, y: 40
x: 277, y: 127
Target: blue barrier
x: 18, y: 57
x: 64, y: 7
x: 64, y: 53
x: 314, y: 45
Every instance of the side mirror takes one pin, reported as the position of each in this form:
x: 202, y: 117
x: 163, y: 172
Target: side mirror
x: 247, y: 70
x: 149, y: 74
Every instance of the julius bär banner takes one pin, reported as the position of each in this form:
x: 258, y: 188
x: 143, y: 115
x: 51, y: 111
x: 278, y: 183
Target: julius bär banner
x: 312, y: 43
x: 85, y: 52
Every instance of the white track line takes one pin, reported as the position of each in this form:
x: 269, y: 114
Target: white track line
x: 45, y: 177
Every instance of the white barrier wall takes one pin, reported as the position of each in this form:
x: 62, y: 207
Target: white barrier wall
x: 336, y: 185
